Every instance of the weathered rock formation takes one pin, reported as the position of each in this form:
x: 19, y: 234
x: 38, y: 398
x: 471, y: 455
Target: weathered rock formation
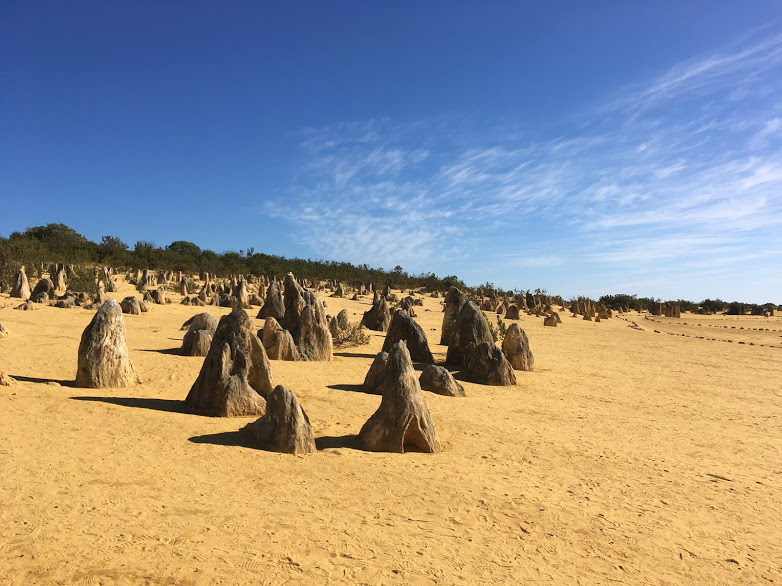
x: 312, y: 335
x: 294, y: 304
x: 404, y: 327
x: 198, y: 338
x: 552, y: 320
x: 452, y: 305
x: 338, y: 322
x: 236, y: 375
x: 278, y: 342
x: 470, y: 330
x: 378, y: 317
x: 373, y: 381
x: 130, y: 305
x: 273, y: 306
x: 21, y: 287
x: 57, y: 273
x: 103, y: 352
x: 402, y: 420
x: 512, y: 312
x: 285, y: 427
x: 44, y: 286
x: 438, y: 380
x: 515, y: 347
x: 487, y: 365
x: 42, y: 297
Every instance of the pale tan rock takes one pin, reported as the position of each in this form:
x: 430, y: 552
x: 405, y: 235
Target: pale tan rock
x: 103, y: 359
x: 402, y: 421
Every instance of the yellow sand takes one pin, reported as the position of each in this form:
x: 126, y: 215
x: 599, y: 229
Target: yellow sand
x: 626, y: 457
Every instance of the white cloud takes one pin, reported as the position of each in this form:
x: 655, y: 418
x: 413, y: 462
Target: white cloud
x: 664, y: 180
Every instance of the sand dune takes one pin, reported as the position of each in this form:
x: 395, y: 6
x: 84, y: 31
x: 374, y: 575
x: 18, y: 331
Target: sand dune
x: 627, y: 456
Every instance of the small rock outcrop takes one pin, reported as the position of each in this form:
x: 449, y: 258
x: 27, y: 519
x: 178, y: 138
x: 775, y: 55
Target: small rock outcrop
x: 103, y: 352
x: 487, y: 365
x: 278, y: 342
x: 515, y: 347
x: 470, y: 330
x: 552, y: 320
x: 312, y: 335
x: 404, y: 327
x: 198, y: 339
x: 273, y: 305
x: 21, y: 287
x: 45, y: 285
x: 294, y: 304
x: 378, y: 317
x: 373, y: 381
x: 285, y: 427
x: 42, y: 298
x: 512, y: 312
x: 131, y: 306
x: 438, y: 380
x: 236, y: 375
x: 403, y: 419
x: 339, y: 322
x: 452, y: 305
x: 241, y: 293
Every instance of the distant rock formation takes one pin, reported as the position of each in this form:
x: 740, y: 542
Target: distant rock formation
x: 273, y: 305
x: 21, y: 287
x: 198, y: 339
x: 452, y: 305
x: 103, y: 359
x: 378, y: 317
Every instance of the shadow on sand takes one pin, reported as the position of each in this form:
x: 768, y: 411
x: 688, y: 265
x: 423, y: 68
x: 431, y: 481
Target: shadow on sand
x: 346, y: 387
x: 171, y: 351
x: 168, y: 405
x: 354, y: 355
x: 341, y: 441
x: 35, y: 379
x: 241, y: 438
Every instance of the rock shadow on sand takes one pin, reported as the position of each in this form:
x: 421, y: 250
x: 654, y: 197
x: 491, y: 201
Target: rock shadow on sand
x: 167, y: 405
x: 327, y: 442
x: 240, y: 438
x: 347, y: 387
x: 43, y: 381
x: 171, y: 351
x: 354, y: 355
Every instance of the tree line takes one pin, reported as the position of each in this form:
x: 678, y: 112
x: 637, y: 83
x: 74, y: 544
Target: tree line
x: 43, y: 245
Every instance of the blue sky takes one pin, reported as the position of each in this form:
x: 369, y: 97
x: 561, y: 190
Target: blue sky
x: 585, y: 149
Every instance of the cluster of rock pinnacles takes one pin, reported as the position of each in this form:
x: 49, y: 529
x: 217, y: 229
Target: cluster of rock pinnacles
x: 235, y: 379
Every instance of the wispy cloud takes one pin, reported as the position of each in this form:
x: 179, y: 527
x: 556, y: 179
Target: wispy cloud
x: 677, y: 170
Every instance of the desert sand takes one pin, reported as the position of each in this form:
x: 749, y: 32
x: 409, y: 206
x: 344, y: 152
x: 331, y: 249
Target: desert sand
x: 627, y: 456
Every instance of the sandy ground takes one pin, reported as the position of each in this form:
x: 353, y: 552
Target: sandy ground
x: 628, y: 456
